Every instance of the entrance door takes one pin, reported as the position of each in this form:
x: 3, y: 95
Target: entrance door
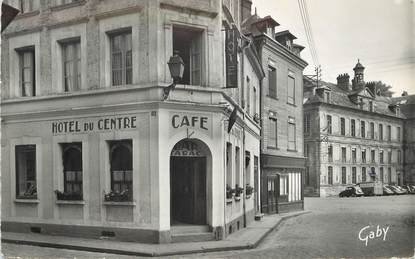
x: 269, y: 191
x: 188, y: 190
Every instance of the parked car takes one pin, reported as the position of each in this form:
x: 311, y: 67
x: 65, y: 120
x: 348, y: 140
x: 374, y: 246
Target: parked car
x: 405, y: 191
x: 410, y: 188
x: 351, y: 191
x: 396, y: 190
x: 387, y: 191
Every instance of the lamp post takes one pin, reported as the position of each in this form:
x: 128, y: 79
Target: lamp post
x: 176, y: 67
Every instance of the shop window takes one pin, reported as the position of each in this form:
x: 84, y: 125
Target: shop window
x: 26, y: 172
x: 363, y: 174
x: 330, y: 175
x: 344, y: 174
x: 353, y: 127
x: 363, y: 129
x: 71, y: 53
x: 273, y: 133
x: 72, y: 171
x: 353, y: 174
x: 329, y: 125
x: 187, y: 42
x: 121, y: 162
x: 27, y: 71
x: 121, y: 58
x: 291, y: 134
x: 307, y: 176
x: 291, y: 90
x: 342, y: 126
x: 272, y: 82
x: 283, y: 185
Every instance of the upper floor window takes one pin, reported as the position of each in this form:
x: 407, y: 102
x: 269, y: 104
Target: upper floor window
x: 71, y: 53
x: 381, y: 156
x: 307, y: 123
x: 329, y: 128
x: 273, y: 133
x: 27, y: 71
x: 343, y: 154
x: 363, y: 174
x: 28, y: 5
x: 363, y: 156
x: 380, y: 132
x: 188, y: 43
x: 372, y: 156
x: 389, y: 132
x: 354, y: 155
x: 363, y: 129
x: 371, y: 106
x: 291, y: 90
x: 25, y: 156
x: 272, y: 82
x: 291, y: 134
x: 399, y: 157
x: 353, y: 127
x: 330, y: 153
x: 121, y: 163
x: 398, y: 134
x: 372, y: 130
x: 121, y: 58
x: 342, y: 126
x: 248, y: 95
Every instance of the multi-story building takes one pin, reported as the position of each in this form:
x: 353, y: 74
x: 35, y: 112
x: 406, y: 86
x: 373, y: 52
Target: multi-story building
x: 97, y: 141
x: 282, y: 155
x: 351, y: 135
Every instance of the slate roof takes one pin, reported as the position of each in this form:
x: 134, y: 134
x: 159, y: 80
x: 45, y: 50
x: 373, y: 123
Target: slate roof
x: 407, y: 105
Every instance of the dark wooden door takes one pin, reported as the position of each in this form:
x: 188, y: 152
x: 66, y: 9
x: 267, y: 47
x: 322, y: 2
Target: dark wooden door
x: 269, y: 194
x: 188, y: 190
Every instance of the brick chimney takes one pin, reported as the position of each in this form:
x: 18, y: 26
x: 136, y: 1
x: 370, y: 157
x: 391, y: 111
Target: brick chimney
x: 343, y: 82
x: 246, y: 7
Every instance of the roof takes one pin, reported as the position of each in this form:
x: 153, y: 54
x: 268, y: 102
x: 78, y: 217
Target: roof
x: 298, y: 46
x: 267, y: 18
x: 7, y: 15
x: 285, y: 33
x: 358, y: 65
x: 407, y: 105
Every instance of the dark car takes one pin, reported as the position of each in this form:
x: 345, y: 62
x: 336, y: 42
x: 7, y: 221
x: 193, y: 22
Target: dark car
x: 387, y: 191
x: 396, y: 190
x: 351, y: 191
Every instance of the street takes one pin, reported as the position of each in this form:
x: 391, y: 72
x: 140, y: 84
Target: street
x: 331, y: 229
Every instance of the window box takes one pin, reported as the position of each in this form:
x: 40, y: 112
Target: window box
x: 68, y: 196
x: 124, y: 196
x: 229, y: 201
x: 27, y: 200
x: 229, y: 192
x: 237, y: 198
x: 238, y: 191
x: 249, y: 190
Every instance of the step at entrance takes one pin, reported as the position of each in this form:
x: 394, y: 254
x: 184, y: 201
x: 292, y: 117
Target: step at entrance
x: 191, y: 233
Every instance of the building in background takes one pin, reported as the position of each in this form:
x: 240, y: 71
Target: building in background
x: 281, y: 115
x: 351, y: 135
x: 97, y: 142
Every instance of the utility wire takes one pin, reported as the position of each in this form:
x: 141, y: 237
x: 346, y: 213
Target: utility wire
x: 310, y: 29
x: 307, y: 32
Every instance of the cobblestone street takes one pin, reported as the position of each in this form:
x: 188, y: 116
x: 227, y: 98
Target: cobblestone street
x: 330, y: 230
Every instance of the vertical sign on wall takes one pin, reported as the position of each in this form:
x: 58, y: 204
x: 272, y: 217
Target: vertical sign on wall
x: 231, y: 51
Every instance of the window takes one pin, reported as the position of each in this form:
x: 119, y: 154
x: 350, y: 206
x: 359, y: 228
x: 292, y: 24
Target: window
x: 399, y: 157
x: 330, y: 153
x: 389, y: 132
x: 272, y: 82
x: 353, y: 127
x: 229, y: 158
x: 371, y: 106
x: 363, y: 174
x: 330, y: 175
x: 327, y: 96
x: 71, y: 53
x: 361, y: 103
x: 121, y: 58
x: 354, y: 174
x: 187, y: 42
x: 307, y: 176
x: 362, y: 129
x: 254, y: 101
x: 354, y: 155
x: 381, y: 174
x: 398, y: 134
x: 291, y: 134
x: 283, y: 185
x: 72, y: 168
x: 342, y: 126
x: 248, y: 95
x: 343, y: 154
x: 26, y: 172
x: 389, y: 157
x: 372, y: 130
x: 380, y: 131
x: 27, y: 71
x: 273, y: 133
x: 27, y: 5
x: 307, y: 123
x: 389, y: 175
x: 381, y: 156
x: 329, y: 128
x: 121, y: 162
x: 291, y: 90
x: 372, y: 156
x: 306, y: 150
x: 344, y: 175
x: 363, y: 156
x: 237, y: 165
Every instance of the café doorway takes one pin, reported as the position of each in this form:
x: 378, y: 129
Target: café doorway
x: 188, y: 191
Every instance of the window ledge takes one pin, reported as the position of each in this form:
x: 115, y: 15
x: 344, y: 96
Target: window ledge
x: 119, y: 203
x: 292, y: 150
x: 26, y: 201
x: 69, y: 5
x: 73, y: 202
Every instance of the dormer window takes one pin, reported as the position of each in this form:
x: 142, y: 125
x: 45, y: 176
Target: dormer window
x: 371, y: 106
x: 327, y: 97
x: 288, y: 44
x: 361, y: 103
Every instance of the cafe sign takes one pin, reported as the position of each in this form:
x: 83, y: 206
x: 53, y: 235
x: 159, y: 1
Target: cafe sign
x: 186, y: 149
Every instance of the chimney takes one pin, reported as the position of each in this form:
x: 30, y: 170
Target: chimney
x: 372, y: 87
x: 246, y: 7
x: 343, y: 82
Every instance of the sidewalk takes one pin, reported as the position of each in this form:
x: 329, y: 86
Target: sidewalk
x: 246, y: 238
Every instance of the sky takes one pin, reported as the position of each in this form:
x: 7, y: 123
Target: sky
x: 378, y: 32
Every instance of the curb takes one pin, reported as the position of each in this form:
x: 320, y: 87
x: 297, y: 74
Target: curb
x: 154, y: 254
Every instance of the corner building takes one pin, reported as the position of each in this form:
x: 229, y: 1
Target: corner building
x: 91, y: 148
x: 352, y: 135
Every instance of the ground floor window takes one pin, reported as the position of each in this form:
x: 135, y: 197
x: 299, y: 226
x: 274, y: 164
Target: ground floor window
x: 363, y: 174
x: 72, y: 171
x: 381, y: 174
x: 343, y: 175
x: 389, y: 175
x: 121, y: 162
x: 26, y: 172
x: 353, y: 174
x: 283, y: 185
x: 330, y: 175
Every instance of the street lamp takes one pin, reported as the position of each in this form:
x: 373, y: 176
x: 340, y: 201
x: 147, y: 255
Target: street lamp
x: 176, y: 67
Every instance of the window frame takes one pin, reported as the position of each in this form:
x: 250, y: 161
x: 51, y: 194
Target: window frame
x: 364, y: 176
x: 274, y: 93
x: 26, y: 148
x: 344, y: 175
x: 330, y: 175
x: 273, y: 121
x: 78, y: 174
x: 342, y: 126
x: 353, y: 127
x: 123, y: 33
x: 112, y: 145
x: 32, y: 67
x: 329, y: 122
x: 290, y: 99
x: 291, y: 122
x: 77, y: 64
x: 363, y: 129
